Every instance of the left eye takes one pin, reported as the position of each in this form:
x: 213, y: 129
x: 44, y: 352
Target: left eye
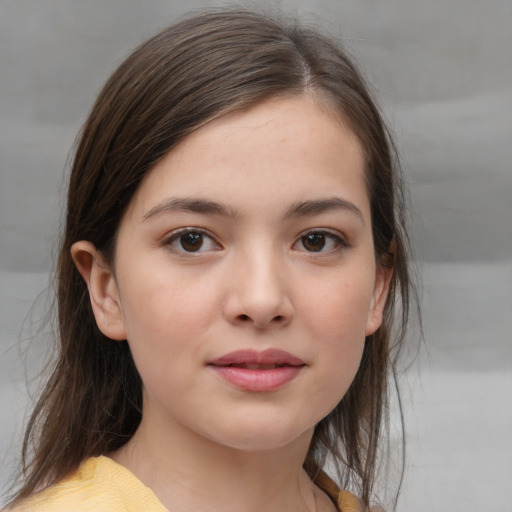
x: 191, y: 241
x: 320, y: 241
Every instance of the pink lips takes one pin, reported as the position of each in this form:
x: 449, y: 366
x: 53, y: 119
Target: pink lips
x: 251, y: 370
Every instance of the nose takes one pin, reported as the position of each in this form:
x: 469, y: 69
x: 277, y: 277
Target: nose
x: 259, y: 292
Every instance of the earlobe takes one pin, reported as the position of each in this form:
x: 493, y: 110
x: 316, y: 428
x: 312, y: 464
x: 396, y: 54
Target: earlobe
x: 102, y: 287
x: 383, y: 277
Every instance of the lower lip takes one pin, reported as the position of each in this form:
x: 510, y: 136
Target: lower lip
x: 258, y: 380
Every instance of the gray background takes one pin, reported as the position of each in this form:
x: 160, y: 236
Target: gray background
x: 443, y: 70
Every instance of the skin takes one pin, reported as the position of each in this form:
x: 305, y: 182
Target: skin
x: 254, y: 282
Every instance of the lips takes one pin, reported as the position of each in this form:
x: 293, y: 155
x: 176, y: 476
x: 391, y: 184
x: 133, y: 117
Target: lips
x: 264, y: 371
x: 249, y: 366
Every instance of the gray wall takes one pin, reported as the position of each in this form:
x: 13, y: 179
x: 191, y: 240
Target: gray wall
x: 443, y: 70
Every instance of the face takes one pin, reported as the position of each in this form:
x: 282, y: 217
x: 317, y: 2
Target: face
x: 245, y: 278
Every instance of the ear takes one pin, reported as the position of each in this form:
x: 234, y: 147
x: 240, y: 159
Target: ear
x: 383, y: 276
x: 102, y: 287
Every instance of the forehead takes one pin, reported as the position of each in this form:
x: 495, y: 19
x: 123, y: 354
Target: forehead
x: 281, y: 150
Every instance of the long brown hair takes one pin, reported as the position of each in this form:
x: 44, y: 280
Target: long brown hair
x: 190, y: 73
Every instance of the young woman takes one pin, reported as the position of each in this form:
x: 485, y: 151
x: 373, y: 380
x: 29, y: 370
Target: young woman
x: 232, y: 261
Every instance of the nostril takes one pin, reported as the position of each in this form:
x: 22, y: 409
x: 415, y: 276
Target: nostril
x: 244, y: 318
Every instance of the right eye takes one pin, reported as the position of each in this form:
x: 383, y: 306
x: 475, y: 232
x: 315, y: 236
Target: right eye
x: 191, y: 241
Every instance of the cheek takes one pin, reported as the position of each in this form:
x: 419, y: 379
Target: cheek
x: 166, y: 319
x: 166, y: 305
x: 337, y: 322
x: 161, y: 329
x: 341, y: 309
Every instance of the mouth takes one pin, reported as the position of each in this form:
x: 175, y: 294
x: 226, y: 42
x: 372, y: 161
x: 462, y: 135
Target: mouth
x: 248, y: 366
x: 269, y: 359
x: 250, y: 370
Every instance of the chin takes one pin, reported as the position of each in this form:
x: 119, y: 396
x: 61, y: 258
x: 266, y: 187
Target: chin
x: 260, y: 437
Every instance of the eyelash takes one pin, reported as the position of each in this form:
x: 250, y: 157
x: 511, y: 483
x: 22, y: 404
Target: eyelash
x: 338, y: 241
x: 175, y: 236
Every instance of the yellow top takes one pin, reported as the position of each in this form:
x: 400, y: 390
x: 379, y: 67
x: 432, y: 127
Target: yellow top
x: 102, y: 485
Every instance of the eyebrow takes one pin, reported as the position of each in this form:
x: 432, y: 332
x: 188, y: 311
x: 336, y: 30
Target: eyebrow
x: 193, y: 205
x: 318, y: 206
x: 207, y: 207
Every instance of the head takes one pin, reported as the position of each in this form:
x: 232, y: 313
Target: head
x: 197, y: 71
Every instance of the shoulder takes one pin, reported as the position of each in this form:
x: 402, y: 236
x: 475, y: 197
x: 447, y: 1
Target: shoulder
x: 98, y: 484
x: 345, y: 500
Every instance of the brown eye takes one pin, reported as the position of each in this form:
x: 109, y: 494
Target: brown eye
x: 191, y: 242
x: 313, y: 242
x: 321, y: 242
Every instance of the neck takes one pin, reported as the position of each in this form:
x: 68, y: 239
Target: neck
x: 189, y: 472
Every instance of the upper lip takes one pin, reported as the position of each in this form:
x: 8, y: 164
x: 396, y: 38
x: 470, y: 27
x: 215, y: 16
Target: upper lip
x: 270, y: 356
